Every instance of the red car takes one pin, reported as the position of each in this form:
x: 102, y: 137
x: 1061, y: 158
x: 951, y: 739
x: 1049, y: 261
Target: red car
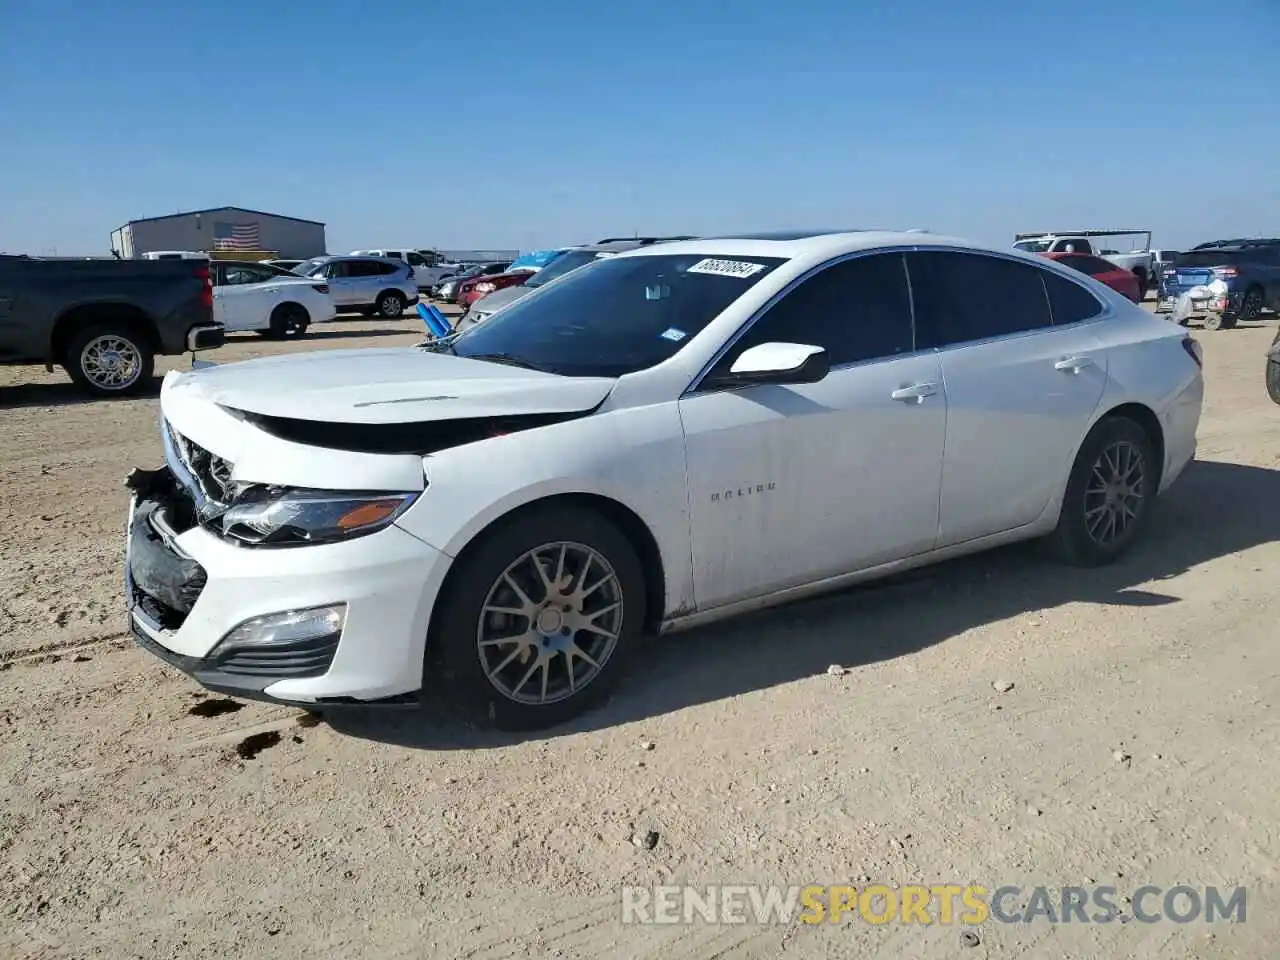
x: 471, y: 290
x: 1117, y: 278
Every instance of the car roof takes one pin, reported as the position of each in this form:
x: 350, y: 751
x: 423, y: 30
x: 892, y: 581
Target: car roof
x: 815, y: 245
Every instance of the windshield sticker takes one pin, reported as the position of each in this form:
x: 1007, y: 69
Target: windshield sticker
x: 672, y: 334
x: 725, y: 268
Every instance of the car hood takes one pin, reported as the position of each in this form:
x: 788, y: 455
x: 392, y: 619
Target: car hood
x: 405, y: 385
x: 500, y: 298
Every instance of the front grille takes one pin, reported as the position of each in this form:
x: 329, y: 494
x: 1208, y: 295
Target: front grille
x: 210, y: 471
x: 299, y: 660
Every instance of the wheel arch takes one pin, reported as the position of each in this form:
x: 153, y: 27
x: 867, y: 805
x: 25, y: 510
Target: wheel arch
x: 628, y: 522
x: 77, y: 317
x: 1145, y: 418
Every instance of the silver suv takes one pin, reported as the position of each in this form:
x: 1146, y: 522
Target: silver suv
x: 571, y: 259
x: 368, y: 285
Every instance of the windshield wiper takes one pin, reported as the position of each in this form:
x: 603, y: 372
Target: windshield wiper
x: 509, y: 360
x: 441, y: 344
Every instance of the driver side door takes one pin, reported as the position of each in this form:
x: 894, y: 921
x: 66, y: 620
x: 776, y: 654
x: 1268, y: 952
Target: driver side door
x: 790, y: 484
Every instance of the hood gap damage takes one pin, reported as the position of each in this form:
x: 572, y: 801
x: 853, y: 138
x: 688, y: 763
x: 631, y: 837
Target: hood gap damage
x: 420, y: 438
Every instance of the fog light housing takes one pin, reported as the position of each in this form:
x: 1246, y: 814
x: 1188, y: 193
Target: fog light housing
x: 286, y: 627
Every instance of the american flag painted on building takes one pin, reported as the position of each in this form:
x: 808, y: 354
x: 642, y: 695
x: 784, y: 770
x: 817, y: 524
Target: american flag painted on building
x: 236, y: 236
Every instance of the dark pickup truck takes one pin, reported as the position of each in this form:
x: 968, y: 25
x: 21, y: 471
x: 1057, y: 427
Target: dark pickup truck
x: 104, y: 321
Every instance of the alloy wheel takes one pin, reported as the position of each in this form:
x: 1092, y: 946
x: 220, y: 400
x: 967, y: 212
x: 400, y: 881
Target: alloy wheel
x: 111, y: 362
x: 1115, y: 493
x: 549, y: 623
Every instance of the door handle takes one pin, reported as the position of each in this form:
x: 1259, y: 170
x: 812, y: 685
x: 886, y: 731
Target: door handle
x: 914, y: 392
x: 1073, y: 364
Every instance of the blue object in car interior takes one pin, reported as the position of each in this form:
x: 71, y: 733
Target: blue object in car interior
x: 437, y: 323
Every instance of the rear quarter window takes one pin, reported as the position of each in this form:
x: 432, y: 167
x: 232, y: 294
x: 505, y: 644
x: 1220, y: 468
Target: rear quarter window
x: 1069, y: 302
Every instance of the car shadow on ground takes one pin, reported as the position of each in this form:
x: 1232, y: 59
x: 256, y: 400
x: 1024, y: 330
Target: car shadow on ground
x: 64, y: 394
x: 1214, y: 510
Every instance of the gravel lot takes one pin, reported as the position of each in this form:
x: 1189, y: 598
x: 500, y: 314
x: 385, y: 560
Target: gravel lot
x: 142, y: 818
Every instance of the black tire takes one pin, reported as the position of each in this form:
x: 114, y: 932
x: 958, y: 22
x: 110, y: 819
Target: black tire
x: 1077, y: 539
x: 454, y: 651
x: 390, y: 304
x: 89, y: 359
x: 1273, y: 380
x: 289, y: 321
x: 1251, y: 307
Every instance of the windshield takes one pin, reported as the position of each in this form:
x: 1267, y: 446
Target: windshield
x: 566, y: 262
x: 616, y: 315
x: 1033, y: 246
x: 307, y: 267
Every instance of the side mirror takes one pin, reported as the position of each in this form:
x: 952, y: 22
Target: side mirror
x: 781, y: 363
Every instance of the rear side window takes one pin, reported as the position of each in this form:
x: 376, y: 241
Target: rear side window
x: 961, y: 297
x: 1070, y: 302
x: 858, y: 309
x: 382, y: 269
x: 1090, y: 265
x: 361, y: 268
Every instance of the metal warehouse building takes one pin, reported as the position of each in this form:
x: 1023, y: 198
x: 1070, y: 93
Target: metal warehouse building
x: 221, y: 228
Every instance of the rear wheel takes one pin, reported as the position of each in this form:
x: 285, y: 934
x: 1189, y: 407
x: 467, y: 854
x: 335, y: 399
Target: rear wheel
x: 1109, y: 494
x: 289, y: 321
x: 1219, y: 321
x: 110, y: 359
x: 539, y: 617
x: 1273, y: 380
x: 390, y: 304
x: 1251, y: 308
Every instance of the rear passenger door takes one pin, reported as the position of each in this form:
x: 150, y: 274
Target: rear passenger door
x: 1021, y: 389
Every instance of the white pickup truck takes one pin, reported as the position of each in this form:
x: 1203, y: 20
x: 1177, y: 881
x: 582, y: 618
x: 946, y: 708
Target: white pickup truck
x: 1141, y: 262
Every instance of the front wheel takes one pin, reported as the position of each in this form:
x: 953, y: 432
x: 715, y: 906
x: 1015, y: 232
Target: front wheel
x: 110, y: 359
x: 1219, y: 321
x: 538, y: 618
x: 1109, y: 494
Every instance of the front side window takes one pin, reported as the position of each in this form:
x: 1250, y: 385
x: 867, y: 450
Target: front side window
x: 856, y: 310
x: 1032, y: 246
x: 961, y: 297
x: 617, y: 315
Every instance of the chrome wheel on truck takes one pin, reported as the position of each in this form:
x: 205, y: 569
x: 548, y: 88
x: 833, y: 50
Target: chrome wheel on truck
x: 110, y: 360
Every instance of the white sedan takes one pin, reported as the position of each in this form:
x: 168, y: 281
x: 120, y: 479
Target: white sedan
x: 660, y: 439
x: 267, y: 299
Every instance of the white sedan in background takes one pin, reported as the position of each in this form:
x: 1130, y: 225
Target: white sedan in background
x: 267, y: 299
x: 658, y: 439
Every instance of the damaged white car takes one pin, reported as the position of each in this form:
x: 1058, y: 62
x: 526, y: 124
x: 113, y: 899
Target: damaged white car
x: 659, y: 439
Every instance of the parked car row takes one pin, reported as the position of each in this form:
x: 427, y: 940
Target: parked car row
x: 1225, y: 282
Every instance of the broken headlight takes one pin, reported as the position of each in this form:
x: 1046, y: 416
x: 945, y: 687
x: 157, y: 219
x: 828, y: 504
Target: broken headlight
x: 287, y: 517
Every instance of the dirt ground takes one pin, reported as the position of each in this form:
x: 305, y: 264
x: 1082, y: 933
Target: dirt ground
x: 1138, y: 743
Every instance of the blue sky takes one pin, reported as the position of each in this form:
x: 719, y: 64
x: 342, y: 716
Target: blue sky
x: 535, y: 124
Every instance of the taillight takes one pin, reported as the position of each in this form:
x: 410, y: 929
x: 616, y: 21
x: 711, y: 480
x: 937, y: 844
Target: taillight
x: 321, y: 287
x: 1226, y: 271
x: 206, y: 292
x: 1194, y: 350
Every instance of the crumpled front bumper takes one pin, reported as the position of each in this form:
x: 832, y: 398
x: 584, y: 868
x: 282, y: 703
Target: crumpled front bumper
x: 187, y: 590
